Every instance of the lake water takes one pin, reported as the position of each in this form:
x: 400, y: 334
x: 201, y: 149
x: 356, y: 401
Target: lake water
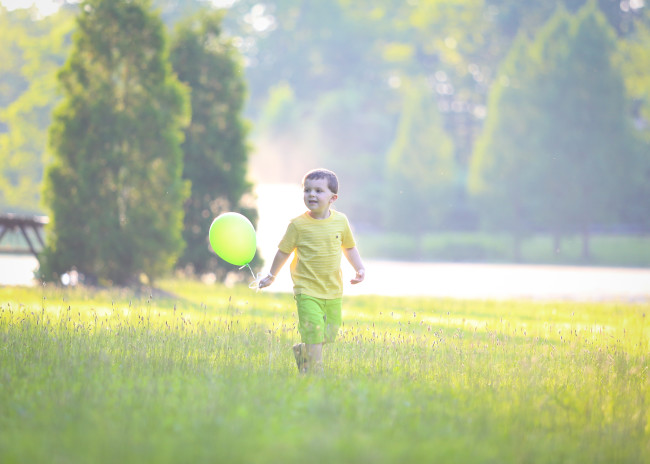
x: 279, y: 203
x: 17, y: 270
x: 449, y: 280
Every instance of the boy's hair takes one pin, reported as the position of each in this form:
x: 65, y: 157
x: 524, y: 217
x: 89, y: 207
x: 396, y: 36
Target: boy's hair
x: 320, y: 173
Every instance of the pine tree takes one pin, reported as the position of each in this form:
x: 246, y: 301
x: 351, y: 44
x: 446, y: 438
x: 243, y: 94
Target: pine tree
x: 586, y: 135
x: 501, y: 175
x: 565, y: 125
x: 115, y: 188
x: 215, y: 150
x: 420, y: 165
x: 635, y: 63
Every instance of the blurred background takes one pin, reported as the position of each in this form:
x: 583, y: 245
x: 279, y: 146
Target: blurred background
x: 492, y: 131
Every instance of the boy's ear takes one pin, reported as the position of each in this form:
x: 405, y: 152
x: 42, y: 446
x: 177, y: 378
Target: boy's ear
x: 334, y: 198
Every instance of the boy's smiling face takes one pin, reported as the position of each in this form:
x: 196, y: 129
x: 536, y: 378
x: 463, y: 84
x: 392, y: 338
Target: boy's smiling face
x: 318, y: 197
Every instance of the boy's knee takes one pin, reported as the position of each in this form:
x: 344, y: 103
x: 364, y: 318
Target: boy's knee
x: 331, y: 332
x: 312, y: 332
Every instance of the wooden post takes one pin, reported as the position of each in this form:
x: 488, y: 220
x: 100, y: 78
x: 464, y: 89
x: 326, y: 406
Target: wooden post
x: 29, y: 242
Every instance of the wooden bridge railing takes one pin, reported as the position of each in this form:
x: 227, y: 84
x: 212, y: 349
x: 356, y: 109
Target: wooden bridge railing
x: 15, y: 223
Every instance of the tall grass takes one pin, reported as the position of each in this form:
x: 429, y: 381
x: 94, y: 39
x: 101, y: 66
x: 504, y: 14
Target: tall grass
x: 205, y: 374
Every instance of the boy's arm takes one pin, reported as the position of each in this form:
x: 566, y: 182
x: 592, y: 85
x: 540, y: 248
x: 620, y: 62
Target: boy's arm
x: 354, y: 258
x: 279, y: 260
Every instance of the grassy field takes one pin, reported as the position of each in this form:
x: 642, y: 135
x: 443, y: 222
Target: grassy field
x: 204, y: 374
x: 606, y: 250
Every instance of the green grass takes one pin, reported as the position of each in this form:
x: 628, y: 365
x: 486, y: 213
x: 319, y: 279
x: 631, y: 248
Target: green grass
x: 605, y: 250
x: 205, y: 374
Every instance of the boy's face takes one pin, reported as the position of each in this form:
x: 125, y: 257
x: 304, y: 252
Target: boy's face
x: 318, y: 197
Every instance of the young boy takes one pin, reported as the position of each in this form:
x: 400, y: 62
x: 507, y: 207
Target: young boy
x: 318, y: 237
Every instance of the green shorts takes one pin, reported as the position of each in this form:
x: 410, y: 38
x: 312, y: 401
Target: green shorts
x: 319, y: 320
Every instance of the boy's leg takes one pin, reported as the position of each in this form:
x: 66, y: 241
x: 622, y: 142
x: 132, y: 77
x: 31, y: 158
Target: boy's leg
x: 319, y: 322
x: 309, y: 357
x: 311, y: 318
x: 315, y: 358
x: 300, y: 353
x: 333, y: 319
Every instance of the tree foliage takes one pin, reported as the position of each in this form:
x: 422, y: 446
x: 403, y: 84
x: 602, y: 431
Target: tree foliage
x: 420, y: 165
x: 556, y: 151
x: 325, y: 86
x: 635, y: 62
x: 31, y: 53
x: 115, y: 188
x: 215, y: 150
x: 502, y: 171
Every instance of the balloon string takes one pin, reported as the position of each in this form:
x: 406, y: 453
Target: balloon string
x: 255, y: 284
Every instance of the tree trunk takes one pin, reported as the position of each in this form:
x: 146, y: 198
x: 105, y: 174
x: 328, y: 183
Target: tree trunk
x: 586, y: 252
x: 517, y: 247
x: 557, y: 244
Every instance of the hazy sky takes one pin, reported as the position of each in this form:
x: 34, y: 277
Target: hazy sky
x: 46, y: 7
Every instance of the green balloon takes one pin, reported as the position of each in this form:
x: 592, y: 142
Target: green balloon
x: 232, y: 237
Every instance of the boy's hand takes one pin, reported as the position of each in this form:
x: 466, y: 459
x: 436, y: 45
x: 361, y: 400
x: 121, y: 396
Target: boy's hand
x: 361, y: 274
x: 353, y: 257
x: 266, y: 281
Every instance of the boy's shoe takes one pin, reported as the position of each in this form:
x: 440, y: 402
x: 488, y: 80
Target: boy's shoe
x: 300, y: 353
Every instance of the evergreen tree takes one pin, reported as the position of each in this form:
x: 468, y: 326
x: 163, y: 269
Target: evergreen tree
x: 501, y: 175
x: 115, y: 188
x: 636, y: 63
x: 420, y: 165
x: 586, y: 147
x: 555, y: 147
x: 215, y: 151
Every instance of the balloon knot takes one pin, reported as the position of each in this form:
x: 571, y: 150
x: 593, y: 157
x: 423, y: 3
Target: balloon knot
x: 255, y: 284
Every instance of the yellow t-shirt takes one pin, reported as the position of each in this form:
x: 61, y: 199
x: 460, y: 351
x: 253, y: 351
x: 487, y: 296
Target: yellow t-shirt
x: 316, y: 265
